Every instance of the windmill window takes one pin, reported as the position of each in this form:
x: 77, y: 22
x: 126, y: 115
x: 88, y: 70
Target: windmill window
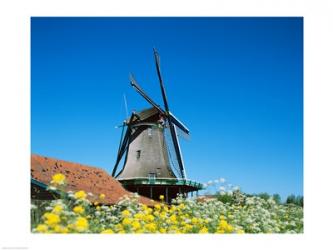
x: 150, y: 132
x: 138, y: 154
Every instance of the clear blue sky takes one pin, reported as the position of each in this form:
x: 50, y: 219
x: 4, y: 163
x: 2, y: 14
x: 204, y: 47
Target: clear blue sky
x: 237, y: 83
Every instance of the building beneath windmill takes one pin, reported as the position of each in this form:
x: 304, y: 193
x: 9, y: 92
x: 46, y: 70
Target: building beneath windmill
x: 150, y: 150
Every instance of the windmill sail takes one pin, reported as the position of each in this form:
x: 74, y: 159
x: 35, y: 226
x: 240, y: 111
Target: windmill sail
x: 174, y: 165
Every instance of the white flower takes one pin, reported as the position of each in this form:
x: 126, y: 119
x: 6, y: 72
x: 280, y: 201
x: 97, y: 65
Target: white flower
x: 136, y: 195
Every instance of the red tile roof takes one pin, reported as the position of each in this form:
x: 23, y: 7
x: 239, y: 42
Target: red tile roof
x: 81, y: 177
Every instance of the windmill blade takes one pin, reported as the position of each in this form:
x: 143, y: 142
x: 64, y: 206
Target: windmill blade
x: 122, y: 150
x: 121, y: 138
x: 136, y: 86
x: 168, y: 144
x: 179, y: 124
x: 181, y: 134
x: 124, y: 143
x: 158, y: 69
x: 177, y: 149
x: 171, y: 119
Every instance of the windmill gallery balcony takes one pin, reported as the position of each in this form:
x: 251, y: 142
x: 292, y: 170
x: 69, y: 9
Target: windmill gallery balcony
x: 154, y: 187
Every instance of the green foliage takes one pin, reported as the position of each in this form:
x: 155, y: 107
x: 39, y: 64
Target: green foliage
x: 296, y: 200
x: 291, y: 199
x: 277, y: 198
x: 225, y: 198
x: 264, y: 196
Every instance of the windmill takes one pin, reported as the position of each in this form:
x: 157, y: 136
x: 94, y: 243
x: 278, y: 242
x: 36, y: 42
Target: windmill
x: 153, y: 162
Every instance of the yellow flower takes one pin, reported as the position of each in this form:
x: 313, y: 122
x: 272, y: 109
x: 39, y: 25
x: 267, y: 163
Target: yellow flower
x: 60, y: 229
x: 173, y: 228
x: 161, y: 197
x: 157, y: 206
x: 156, y: 213
x: 58, y: 179
x: 98, y: 208
x: 223, y: 224
x: 80, y: 195
x: 203, y: 230
x: 163, y: 215
x: 181, y: 206
x: 173, y: 218
x: 51, y: 219
x: 162, y: 230
x: 127, y: 221
x: 240, y: 231
x: 150, y: 227
x: 220, y: 231
x: 148, y: 210
x: 119, y: 227
x: 225, y: 227
x: 222, y: 217
x: 136, y: 225
x: 102, y: 196
x: 230, y: 229
x: 126, y: 213
x: 57, y: 209
x: 41, y: 228
x: 148, y: 218
x: 187, y: 228
x: 194, y: 221
x: 107, y: 231
x: 81, y: 224
x: 139, y: 216
x: 78, y: 209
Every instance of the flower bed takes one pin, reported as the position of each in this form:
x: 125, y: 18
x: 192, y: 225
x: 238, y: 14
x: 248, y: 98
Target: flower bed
x: 74, y: 213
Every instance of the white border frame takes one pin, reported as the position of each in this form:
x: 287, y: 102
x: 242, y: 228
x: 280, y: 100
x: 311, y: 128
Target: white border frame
x: 15, y: 127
